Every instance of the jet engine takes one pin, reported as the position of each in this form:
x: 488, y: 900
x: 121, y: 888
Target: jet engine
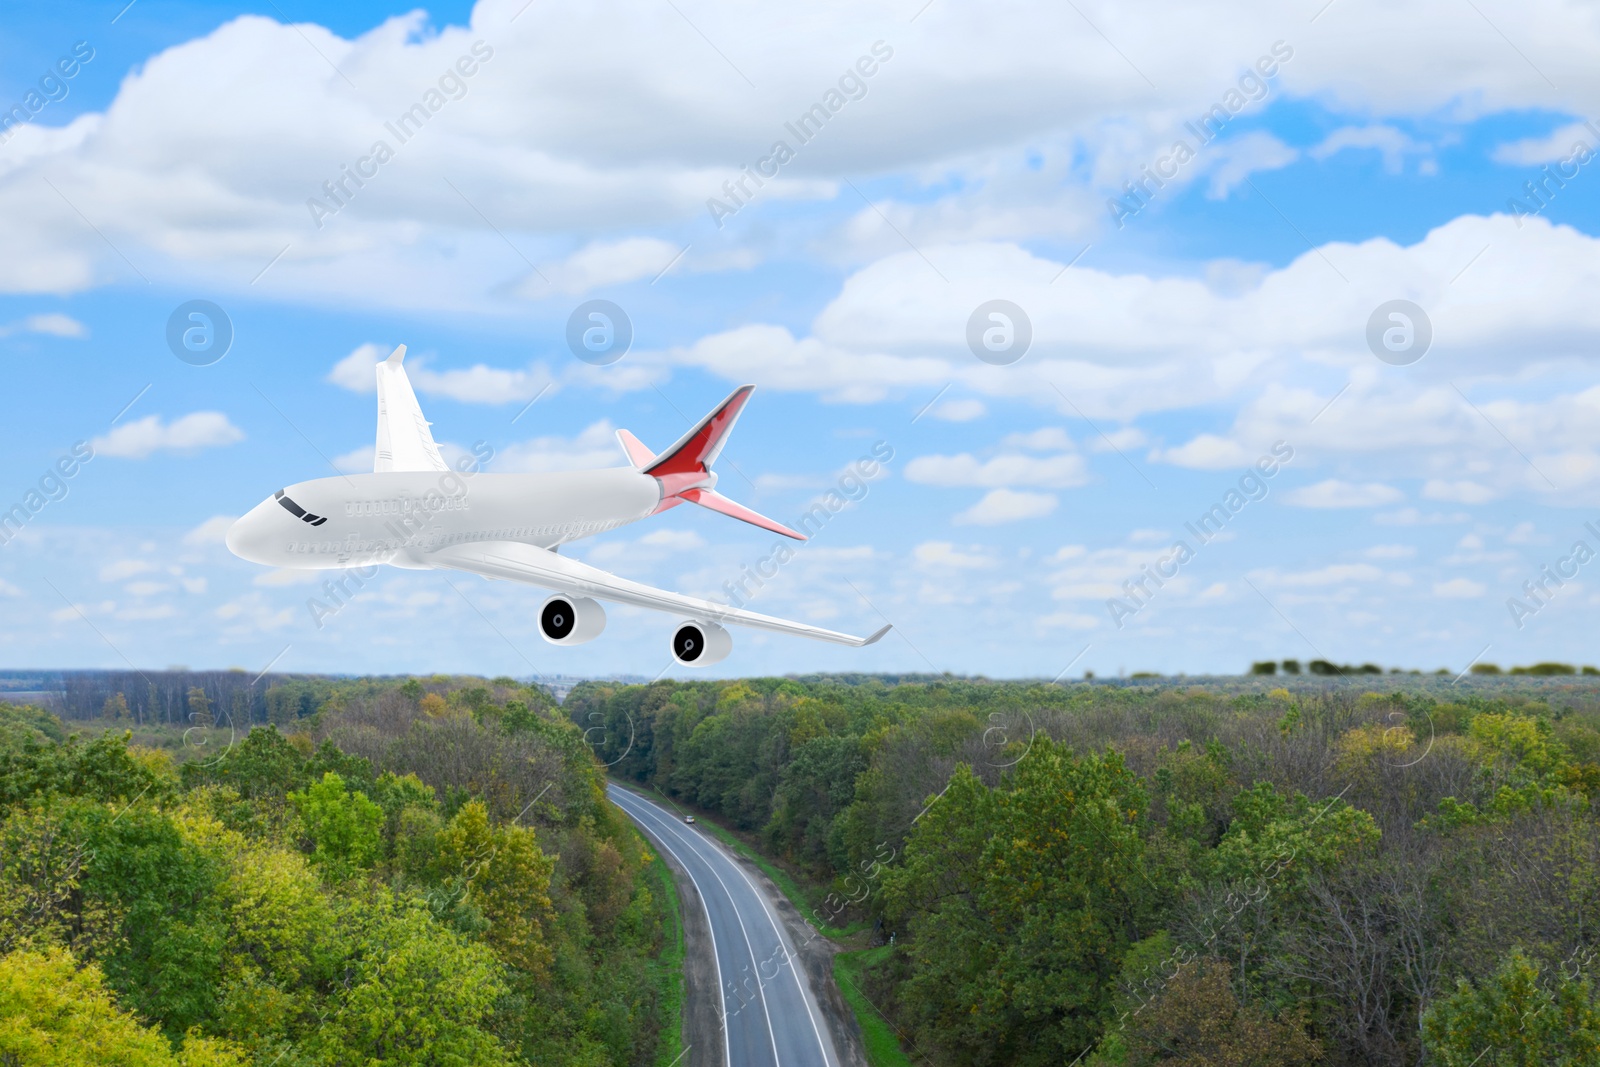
x: 571, y: 620
x: 700, y: 644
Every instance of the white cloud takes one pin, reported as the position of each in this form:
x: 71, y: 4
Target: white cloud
x: 1389, y: 142
x: 1390, y: 552
x: 356, y: 372
x: 478, y: 384
x: 213, y: 531
x: 125, y: 568
x: 1334, y: 493
x: 602, y: 263
x: 632, y: 138
x: 1333, y: 574
x: 1068, y: 620
x: 1208, y: 452
x: 146, y: 436
x: 941, y: 554
x: 674, y: 540
x: 1045, y: 439
x: 51, y: 323
x: 595, y: 446
x: 1559, y: 145
x: 959, y: 410
x: 1009, y: 469
x: 281, y: 576
x: 1457, y: 492
x: 1006, y: 505
x: 143, y: 589
x: 1238, y: 158
x: 1458, y: 589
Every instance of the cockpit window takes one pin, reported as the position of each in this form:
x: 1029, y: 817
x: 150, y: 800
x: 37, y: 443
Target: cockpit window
x: 294, y: 509
x: 297, y: 511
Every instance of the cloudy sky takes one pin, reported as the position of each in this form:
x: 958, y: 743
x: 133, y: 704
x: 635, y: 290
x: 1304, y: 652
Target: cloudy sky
x: 1325, y: 272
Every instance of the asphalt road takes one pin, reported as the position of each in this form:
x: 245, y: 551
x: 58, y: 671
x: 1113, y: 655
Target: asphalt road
x: 770, y: 1016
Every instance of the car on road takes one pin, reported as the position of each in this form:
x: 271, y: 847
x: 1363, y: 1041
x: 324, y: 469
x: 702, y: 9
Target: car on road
x: 688, y: 818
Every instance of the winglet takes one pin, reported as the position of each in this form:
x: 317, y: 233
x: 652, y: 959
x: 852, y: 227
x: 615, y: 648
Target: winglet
x: 875, y: 638
x: 398, y: 356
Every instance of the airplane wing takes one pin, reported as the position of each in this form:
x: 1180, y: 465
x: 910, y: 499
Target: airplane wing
x: 518, y: 562
x: 404, y: 441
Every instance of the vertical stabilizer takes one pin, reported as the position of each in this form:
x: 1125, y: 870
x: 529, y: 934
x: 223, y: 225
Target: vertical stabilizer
x: 405, y: 443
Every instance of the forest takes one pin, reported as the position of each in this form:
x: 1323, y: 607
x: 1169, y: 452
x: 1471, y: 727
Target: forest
x: 419, y: 871
x: 1347, y: 870
x: 1266, y: 871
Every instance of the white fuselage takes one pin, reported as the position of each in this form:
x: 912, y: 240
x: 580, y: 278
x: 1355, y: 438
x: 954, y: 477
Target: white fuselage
x: 399, y: 517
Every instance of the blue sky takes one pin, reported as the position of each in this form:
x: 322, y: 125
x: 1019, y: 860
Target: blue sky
x: 975, y: 163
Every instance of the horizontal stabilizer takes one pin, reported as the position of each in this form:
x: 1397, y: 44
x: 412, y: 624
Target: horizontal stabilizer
x: 710, y: 498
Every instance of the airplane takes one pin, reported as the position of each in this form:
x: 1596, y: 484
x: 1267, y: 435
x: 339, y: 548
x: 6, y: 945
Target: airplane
x: 413, y: 511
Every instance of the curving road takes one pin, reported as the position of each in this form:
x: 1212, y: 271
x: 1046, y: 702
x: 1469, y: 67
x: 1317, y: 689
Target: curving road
x: 770, y: 1016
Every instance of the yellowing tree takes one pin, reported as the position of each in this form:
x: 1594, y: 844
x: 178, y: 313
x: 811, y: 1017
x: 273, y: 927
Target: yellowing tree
x: 54, y: 1015
x: 508, y: 880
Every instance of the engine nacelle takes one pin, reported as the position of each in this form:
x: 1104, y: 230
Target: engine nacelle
x: 700, y: 644
x: 571, y: 620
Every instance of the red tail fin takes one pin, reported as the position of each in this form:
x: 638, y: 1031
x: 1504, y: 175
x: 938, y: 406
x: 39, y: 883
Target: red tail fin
x: 684, y: 470
x: 698, y: 449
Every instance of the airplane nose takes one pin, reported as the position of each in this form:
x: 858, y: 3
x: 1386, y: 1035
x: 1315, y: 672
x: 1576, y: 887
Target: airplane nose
x: 246, y: 537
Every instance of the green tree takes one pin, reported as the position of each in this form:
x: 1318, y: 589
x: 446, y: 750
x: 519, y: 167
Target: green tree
x: 344, y: 826
x: 1019, y: 905
x: 263, y: 765
x: 417, y: 994
x: 1513, y: 1020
